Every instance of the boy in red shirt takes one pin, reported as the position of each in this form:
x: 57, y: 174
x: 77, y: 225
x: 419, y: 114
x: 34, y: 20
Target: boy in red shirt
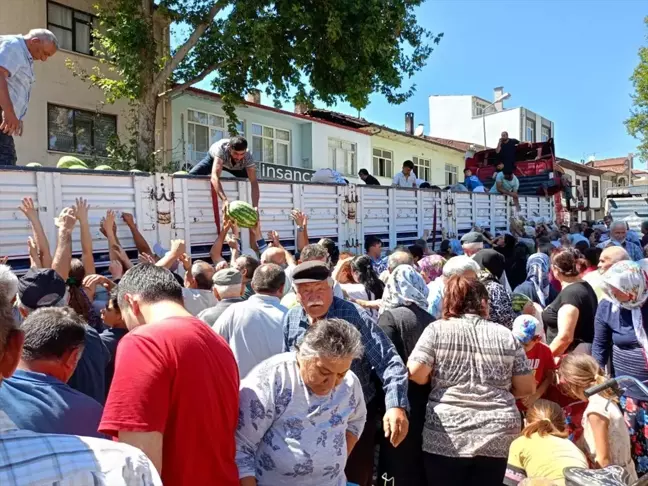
x: 176, y: 385
x: 526, y: 330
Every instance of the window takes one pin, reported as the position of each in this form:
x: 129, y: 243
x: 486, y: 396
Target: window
x: 204, y: 129
x: 545, y: 133
x: 383, y: 163
x: 422, y: 168
x: 595, y: 189
x: 480, y: 108
x: 79, y: 132
x: 271, y: 145
x: 450, y: 174
x: 530, y: 130
x: 72, y: 28
x: 342, y: 156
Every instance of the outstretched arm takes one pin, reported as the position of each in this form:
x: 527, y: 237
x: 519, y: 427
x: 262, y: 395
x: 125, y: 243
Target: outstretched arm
x: 63, y: 254
x: 40, y: 239
x: 140, y: 242
x: 216, y: 252
x: 86, y: 238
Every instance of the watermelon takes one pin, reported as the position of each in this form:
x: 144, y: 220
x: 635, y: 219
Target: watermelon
x: 243, y: 214
x: 67, y: 161
x: 181, y: 172
x: 137, y: 171
x: 34, y: 164
x: 103, y: 167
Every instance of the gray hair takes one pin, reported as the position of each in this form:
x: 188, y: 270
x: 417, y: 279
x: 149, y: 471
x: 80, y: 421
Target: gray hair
x: 269, y: 278
x: 459, y: 265
x: 8, y: 283
x: 228, y: 291
x: 44, y: 35
x: 331, y: 338
x: 7, y: 322
x: 399, y: 258
x: 615, y: 224
x: 314, y: 252
x: 473, y: 246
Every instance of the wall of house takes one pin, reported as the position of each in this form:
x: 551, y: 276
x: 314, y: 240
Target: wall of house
x: 55, y: 83
x: 300, y: 151
x: 405, y: 150
x: 321, y: 159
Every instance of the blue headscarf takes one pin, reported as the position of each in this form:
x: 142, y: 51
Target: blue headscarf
x: 538, y: 273
x: 455, y: 246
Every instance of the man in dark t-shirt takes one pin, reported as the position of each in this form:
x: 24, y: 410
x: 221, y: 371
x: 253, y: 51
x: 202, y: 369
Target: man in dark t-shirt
x: 368, y: 179
x: 506, y: 148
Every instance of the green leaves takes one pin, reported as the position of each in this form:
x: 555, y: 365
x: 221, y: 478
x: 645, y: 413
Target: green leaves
x: 637, y: 124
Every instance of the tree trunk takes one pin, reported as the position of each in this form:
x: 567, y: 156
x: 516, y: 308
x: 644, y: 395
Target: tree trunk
x: 146, y: 132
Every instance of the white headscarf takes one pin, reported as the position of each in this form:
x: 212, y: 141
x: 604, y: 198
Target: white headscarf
x: 405, y: 287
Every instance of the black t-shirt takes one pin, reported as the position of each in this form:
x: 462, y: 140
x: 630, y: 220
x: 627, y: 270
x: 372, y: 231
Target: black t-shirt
x: 371, y: 181
x: 582, y: 296
x: 507, y: 154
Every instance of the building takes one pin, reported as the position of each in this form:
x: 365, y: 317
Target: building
x: 479, y: 121
x: 591, y: 182
x: 65, y: 115
x: 439, y: 162
x: 287, y: 145
x: 620, y: 169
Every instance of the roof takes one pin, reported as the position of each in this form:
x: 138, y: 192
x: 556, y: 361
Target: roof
x: 616, y: 164
x: 374, y: 128
x: 216, y: 96
x: 576, y: 167
x: 456, y: 144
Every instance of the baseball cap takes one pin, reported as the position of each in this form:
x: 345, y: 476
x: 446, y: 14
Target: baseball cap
x: 525, y: 328
x: 41, y: 287
x: 227, y: 277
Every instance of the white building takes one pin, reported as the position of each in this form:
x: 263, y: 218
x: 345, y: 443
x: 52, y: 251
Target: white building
x: 469, y: 118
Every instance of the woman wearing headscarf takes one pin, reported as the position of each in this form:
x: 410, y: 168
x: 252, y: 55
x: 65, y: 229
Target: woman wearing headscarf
x: 620, y: 333
x: 537, y: 286
x: 459, y: 265
x: 404, y: 319
x: 493, y: 277
x: 431, y: 267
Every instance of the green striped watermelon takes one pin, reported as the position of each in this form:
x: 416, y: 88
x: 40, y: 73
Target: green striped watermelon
x: 243, y: 214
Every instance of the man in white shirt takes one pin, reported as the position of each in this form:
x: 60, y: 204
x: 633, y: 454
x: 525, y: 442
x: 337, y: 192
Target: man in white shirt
x: 28, y: 457
x: 254, y: 328
x: 406, y: 178
x: 197, y: 293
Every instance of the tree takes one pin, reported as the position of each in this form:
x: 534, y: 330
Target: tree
x: 637, y: 124
x: 299, y: 50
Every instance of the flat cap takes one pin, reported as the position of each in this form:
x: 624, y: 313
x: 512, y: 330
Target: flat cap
x: 226, y: 277
x: 41, y: 287
x: 472, y: 237
x: 313, y: 271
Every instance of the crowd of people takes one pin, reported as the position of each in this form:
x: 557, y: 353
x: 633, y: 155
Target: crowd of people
x: 458, y: 365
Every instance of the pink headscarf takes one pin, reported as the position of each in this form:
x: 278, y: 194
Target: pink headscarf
x: 431, y: 267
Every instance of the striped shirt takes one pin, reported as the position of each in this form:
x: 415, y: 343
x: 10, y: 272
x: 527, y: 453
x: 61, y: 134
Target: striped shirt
x: 379, y: 352
x: 16, y: 59
x: 29, y: 458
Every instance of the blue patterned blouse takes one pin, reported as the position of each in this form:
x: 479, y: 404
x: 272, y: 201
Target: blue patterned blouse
x: 286, y: 434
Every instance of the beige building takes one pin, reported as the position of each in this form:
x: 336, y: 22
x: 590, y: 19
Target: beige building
x: 65, y: 115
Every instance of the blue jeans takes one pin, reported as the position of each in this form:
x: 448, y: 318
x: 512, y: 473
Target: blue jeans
x: 7, y: 150
x: 204, y: 167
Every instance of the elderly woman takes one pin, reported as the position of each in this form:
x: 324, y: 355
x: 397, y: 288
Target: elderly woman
x: 620, y: 334
x: 459, y: 265
x: 492, y: 275
x: 476, y: 369
x: 404, y: 318
x: 301, y: 413
x: 569, y: 318
x: 537, y: 286
x: 431, y: 267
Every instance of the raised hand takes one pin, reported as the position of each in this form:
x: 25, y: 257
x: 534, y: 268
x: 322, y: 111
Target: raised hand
x: 91, y: 281
x: 178, y: 248
x: 146, y: 258
x: 300, y: 219
x: 4, y: 260
x: 81, y: 208
x: 128, y: 219
x: 232, y: 242
x: 28, y: 209
x: 108, y: 223
x: 186, y: 262
x: 66, y: 220
x: 116, y: 269
x: 33, y: 253
x: 273, y: 236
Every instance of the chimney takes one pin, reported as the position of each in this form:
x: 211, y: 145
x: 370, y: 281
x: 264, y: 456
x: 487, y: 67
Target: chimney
x: 301, y: 108
x: 254, y: 96
x: 497, y: 92
x: 409, y: 123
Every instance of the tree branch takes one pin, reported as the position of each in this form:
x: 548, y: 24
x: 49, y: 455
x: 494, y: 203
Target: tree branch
x: 181, y: 87
x: 189, y: 44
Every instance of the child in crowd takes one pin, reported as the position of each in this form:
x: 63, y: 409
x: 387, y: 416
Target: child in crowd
x: 542, y: 450
x: 527, y: 330
x: 606, y: 438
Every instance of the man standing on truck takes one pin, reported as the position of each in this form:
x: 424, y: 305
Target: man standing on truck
x: 407, y: 177
x: 506, y: 148
x: 17, y: 54
x: 507, y: 184
x: 231, y: 155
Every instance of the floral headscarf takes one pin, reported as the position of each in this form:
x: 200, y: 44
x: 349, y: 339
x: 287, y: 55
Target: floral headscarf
x: 405, y: 287
x: 538, y: 272
x: 631, y: 278
x: 432, y: 266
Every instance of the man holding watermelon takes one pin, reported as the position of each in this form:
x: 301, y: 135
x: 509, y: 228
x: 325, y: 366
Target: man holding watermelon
x: 229, y: 155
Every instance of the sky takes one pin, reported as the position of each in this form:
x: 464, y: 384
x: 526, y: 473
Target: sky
x: 567, y: 60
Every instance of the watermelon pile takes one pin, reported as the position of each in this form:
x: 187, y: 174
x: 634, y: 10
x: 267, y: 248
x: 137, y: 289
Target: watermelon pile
x: 71, y: 162
x: 243, y: 214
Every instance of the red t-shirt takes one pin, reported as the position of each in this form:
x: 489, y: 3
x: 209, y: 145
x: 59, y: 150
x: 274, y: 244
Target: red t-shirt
x: 541, y: 359
x: 180, y: 378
